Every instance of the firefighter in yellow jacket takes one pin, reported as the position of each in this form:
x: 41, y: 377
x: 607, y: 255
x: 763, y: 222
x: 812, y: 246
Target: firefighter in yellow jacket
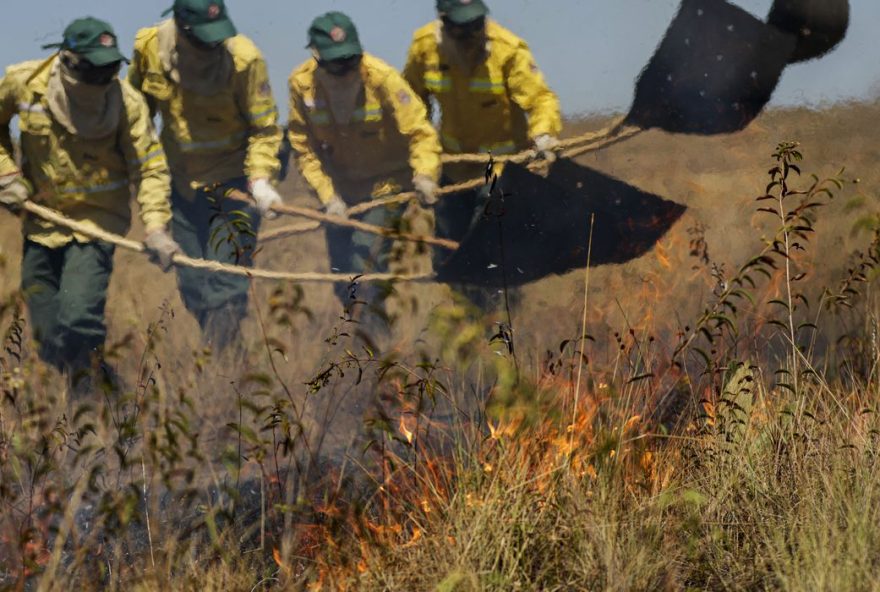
x: 491, y: 96
x: 219, y: 128
x: 359, y: 132
x: 86, y: 138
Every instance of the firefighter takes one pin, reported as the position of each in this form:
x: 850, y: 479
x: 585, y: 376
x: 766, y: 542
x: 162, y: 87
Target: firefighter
x: 220, y: 131
x: 358, y: 132
x: 491, y: 96
x: 86, y: 139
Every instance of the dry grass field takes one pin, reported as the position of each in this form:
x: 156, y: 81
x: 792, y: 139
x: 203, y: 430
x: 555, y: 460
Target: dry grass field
x: 452, y: 465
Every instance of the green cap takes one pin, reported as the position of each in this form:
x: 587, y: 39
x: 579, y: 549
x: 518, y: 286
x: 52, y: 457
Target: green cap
x: 208, y: 19
x: 93, y: 39
x: 334, y: 37
x: 462, y: 11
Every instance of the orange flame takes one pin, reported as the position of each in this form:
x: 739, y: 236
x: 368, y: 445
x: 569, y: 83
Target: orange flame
x: 405, y: 431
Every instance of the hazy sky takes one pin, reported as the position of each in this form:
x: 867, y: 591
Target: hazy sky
x: 590, y: 50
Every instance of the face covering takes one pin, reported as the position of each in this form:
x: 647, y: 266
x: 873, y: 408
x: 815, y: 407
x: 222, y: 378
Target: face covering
x: 193, y: 39
x: 342, y: 89
x: 195, y: 66
x: 341, y: 67
x: 81, y: 99
x: 87, y: 73
x: 464, y: 45
x: 465, y: 31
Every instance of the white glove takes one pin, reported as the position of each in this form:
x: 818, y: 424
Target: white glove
x: 426, y: 188
x: 161, y: 248
x: 15, y: 191
x: 336, y: 207
x: 545, y: 147
x: 266, y: 196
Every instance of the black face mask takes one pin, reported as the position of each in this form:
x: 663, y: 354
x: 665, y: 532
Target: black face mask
x: 194, y: 40
x: 464, y: 31
x: 88, y: 73
x: 342, y: 66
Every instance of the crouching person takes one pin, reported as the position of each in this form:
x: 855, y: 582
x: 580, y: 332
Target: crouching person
x: 86, y: 140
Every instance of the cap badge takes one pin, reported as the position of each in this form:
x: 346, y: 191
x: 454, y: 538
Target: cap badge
x: 107, y: 40
x: 213, y: 11
x: 337, y: 34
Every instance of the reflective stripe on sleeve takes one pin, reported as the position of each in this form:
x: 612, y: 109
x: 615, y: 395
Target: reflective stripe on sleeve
x: 257, y: 118
x: 437, y: 82
x: 150, y: 156
x: 485, y: 85
x: 371, y: 112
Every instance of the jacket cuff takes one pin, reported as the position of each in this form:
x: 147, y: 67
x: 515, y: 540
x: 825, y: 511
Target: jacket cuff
x: 156, y: 221
x: 433, y: 173
x: 270, y: 173
x: 325, y: 195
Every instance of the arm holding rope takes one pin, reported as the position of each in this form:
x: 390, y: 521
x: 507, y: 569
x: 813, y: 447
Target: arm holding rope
x: 529, y: 90
x: 307, y: 160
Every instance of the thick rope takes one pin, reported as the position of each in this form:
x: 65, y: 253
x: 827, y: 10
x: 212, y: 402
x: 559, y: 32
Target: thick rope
x: 571, y: 148
x: 527, y: 155
x: 398, y: 198
x: 349, y: 223
x: 292, y: 230
x: 622, y: 134
x: 214, y: 266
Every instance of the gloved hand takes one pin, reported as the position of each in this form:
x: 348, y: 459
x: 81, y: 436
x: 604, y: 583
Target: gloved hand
x: 14, y: 193
x: 336, y: 207
x: 545, y: 147
x: 266, y: 196
x: 161, y: 248
x: 426, y: 188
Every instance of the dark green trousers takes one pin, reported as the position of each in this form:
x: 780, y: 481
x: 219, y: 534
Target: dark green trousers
x: 356, y: 252
x: 66, y: 292
x: 223, y: 231
x: 456, y: 216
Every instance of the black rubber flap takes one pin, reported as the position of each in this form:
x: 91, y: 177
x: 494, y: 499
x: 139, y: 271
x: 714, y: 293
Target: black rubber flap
x: 818, y: 24
x: 534, y: 227
x: 714, y: 71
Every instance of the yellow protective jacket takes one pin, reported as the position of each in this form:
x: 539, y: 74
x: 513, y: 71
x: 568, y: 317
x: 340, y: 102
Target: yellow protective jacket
x: 388, y: 139
x: 87, y: 180
x: 212, y: 139
x: 498, y: 107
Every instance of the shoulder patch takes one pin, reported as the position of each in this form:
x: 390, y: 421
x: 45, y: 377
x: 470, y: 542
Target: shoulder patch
x: 403, y: 97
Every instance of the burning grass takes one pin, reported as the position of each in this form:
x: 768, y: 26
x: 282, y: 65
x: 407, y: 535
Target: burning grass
x: 735, y: 450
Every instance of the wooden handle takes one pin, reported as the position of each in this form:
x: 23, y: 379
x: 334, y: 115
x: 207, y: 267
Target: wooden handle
x: 313, y: 214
